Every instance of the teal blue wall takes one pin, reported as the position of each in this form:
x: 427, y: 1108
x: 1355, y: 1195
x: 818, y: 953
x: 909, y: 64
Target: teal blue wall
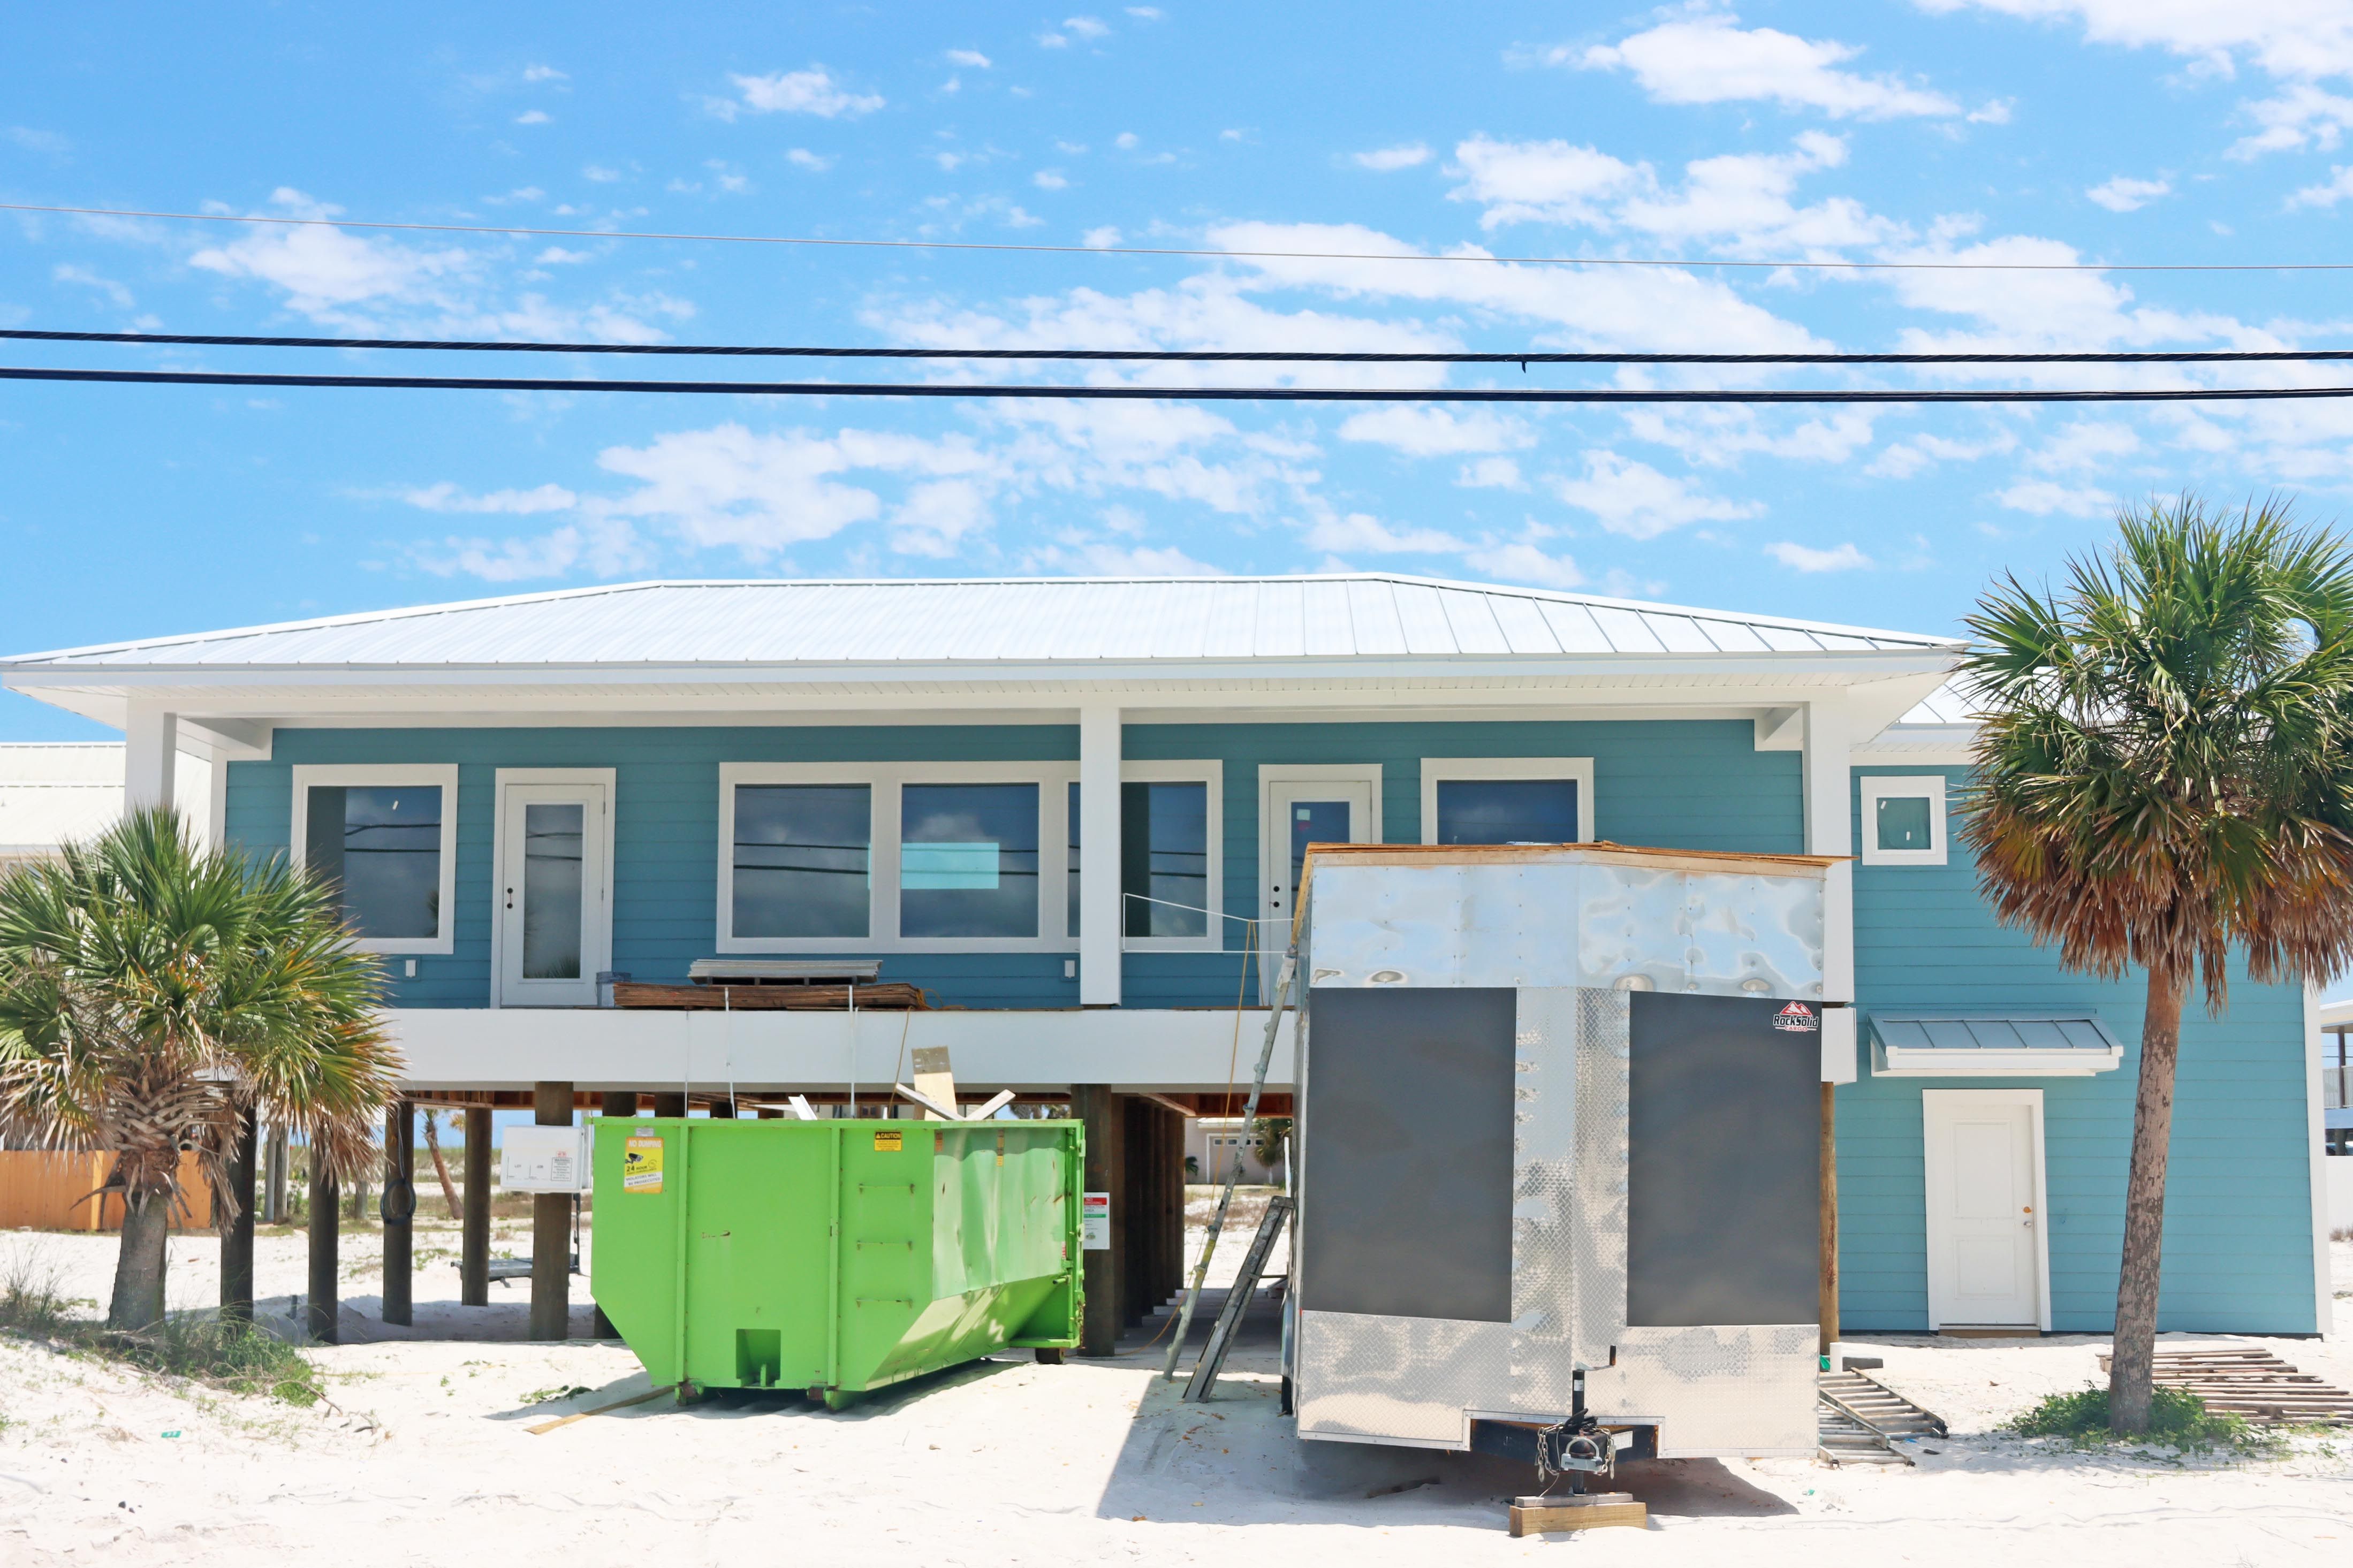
x: 1686, y: 784
x: 2238, y: 1224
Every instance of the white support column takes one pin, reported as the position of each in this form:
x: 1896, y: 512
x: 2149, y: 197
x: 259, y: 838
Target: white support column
x: 1099, y: 856
x: 150, y: 752
x: 1830, y: 830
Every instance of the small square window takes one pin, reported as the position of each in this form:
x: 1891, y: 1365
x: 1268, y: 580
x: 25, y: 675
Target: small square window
x: 803, y: 860
x: 1164, y: 873
x: 968, y: 860
x: 381, y: 846
x: 1903, y: 821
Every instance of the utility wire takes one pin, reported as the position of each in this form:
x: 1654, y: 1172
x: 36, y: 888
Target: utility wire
x: 1669, y: 262
x: 1254, y: 356
x: 1167, y: 394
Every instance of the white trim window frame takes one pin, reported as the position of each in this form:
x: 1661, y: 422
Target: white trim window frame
x: 1932, y: 1229
x: 1449, y: 770
x: 1212, y: 774
x: 308, y: 776
x: 1877, y: 787
x: 886, y: 781
x: 596, y: 944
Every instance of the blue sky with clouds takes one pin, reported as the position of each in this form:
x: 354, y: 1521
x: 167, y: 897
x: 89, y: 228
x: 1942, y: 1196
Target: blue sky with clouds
x: 2081, y: 130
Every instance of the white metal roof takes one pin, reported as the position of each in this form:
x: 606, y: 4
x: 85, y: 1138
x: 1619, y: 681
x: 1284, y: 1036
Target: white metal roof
x: 1027, y: 620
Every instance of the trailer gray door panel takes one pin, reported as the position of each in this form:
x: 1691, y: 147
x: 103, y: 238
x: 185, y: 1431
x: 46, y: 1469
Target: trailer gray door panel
x: 1405, y: 1201
x: 1723, y: 1125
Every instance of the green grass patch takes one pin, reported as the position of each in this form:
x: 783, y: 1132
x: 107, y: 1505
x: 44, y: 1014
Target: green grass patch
x: 2177, y: 1418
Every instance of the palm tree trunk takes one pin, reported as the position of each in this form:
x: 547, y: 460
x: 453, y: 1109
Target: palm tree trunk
x: 2133, y: 1364
x: 440, y: 1165
x: 139, y: 1267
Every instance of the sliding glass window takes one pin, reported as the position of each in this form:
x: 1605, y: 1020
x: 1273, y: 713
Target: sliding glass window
x: 1164, y: 859
x: 968, y: 860
x: 803, y: 856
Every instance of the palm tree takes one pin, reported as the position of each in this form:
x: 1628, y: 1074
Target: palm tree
x: 2164, y: 779
x: 153, y: 994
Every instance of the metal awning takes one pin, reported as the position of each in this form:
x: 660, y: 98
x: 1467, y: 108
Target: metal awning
x: 1991, y: 1044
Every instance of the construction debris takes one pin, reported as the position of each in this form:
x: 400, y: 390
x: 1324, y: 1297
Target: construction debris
x: 1861, y: 1420
x: 2254, y: 1385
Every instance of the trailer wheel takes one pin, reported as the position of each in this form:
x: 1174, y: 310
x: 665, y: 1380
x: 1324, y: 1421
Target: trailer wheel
x: 1048, y: 1357
x: 1285, y: 1408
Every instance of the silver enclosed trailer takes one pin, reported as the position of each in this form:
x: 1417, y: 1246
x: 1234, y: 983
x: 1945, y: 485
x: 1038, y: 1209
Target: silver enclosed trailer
x: 1559, y: 1113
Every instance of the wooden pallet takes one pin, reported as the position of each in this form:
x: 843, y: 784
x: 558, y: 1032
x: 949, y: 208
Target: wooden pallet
x: 884, y: 995
x: 2252, y: 1384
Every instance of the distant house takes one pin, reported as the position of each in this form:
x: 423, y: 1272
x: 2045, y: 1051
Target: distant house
x: 1074, y: 811
x: 52, y: 792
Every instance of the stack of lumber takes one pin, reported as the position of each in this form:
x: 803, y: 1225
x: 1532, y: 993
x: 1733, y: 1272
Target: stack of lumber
x: 894, y: 995
x: 1577, y: 1510
x: 2255, y: 1384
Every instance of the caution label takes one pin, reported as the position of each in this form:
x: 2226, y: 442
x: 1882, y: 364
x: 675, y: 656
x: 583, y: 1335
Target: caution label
x: 889, y: 1143
x: 1094, y: 1222
x: 1796, y: 1018
x: 641, y: 1165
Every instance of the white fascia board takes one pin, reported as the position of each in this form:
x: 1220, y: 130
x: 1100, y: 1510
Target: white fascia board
x: 1162, y: 1050
x: 1898, y: 1061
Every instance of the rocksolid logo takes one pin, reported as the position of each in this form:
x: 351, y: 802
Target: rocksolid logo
x: 1797, y: 1018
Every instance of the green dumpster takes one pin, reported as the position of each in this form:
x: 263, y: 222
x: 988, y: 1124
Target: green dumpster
x: 834, y: 1256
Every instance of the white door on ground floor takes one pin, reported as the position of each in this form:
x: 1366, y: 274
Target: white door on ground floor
x: 1986, y: 1251
x: 554, y: 899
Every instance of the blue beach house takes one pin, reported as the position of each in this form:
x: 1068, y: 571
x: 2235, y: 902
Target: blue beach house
x: 1072, y: 812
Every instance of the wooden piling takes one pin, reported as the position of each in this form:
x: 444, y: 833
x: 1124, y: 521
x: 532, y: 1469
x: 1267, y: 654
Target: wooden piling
x: 400, y: 1211
x: 321, y: 1307
x: 237, y: 1235
x: 474, y: 1244
x: 551, y: 1229
x: 1828, y: 1301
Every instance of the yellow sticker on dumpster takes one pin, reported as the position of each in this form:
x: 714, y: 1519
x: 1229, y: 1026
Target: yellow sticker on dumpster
x: 887, y: 1142
x: 641, y: 1165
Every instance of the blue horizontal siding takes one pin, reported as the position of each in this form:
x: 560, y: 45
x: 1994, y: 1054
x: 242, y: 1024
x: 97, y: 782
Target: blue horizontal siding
x: 2238, y: 1227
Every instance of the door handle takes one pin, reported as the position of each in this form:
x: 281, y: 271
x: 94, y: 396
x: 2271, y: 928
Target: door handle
x: 510, y: 898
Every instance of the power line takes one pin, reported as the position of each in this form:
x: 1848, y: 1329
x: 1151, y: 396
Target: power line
x: 1168, y: 395
x: 1680, y: 262
x: 1259, y: 356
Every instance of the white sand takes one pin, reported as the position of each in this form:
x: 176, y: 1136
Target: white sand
x: 425, y: 1460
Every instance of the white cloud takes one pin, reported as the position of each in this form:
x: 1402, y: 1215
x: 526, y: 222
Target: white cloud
x: 1550, y: 182
x: 2300, y: 116
x: 88, y: 278
x: 544, y: 73
x: 1361, y: 531
x: 1051, y: 180
x: 1904, y: 458
x: 1125, y: 141
x: 1425, y: 432
x: 1636, y: 499
x: 2086, y: 444
x: 1386, y: 160
x: 1711, y: 59
x: 34, y: 141
x: 446, y: 497
x: 802, y: 158
x: 1491, y: 473
x: 811, y: 91
x: 324, y: 268
x: 1100, y: 239
x: 532, y: 117
x: 2043, y: 496
x: 1720, y: 436
x: 2124, y: 194
x: 1147, y: 13
x: 607, y: 548
x: 2292, y: 39
x: 1097, y: 558
x: 1803, y: 558
x: 1525, y: 562
x: 1739, y: 201
x: 1996, y: 111
x: 971, y: 59
x: 1085, y: 27
x: 600, y: 173
x: 2328, y: 192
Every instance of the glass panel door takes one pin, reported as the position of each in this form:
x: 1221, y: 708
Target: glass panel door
x: 1301, y: 813
x: 553, y: 903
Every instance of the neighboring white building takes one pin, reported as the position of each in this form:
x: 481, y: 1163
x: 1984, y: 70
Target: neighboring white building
x: 1213, y: 1142
x: 53, y: 793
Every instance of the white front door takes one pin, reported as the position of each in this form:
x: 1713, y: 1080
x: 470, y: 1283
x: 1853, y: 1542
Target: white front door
x: 1300, y: 812
x: 554, y: 901
x: 1985, y: 1212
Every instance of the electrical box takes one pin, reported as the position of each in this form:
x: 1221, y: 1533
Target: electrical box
x: 545, y: 1159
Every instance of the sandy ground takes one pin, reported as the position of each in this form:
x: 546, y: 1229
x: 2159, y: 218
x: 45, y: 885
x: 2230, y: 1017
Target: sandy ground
x: 423, y: 1456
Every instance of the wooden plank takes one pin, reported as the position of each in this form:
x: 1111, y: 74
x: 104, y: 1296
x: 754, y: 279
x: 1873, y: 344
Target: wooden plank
x: 546, y: 1427
x: 1594, y: 1515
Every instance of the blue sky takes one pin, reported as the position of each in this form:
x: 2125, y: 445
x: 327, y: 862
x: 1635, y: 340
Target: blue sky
x: 2092, y: 131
